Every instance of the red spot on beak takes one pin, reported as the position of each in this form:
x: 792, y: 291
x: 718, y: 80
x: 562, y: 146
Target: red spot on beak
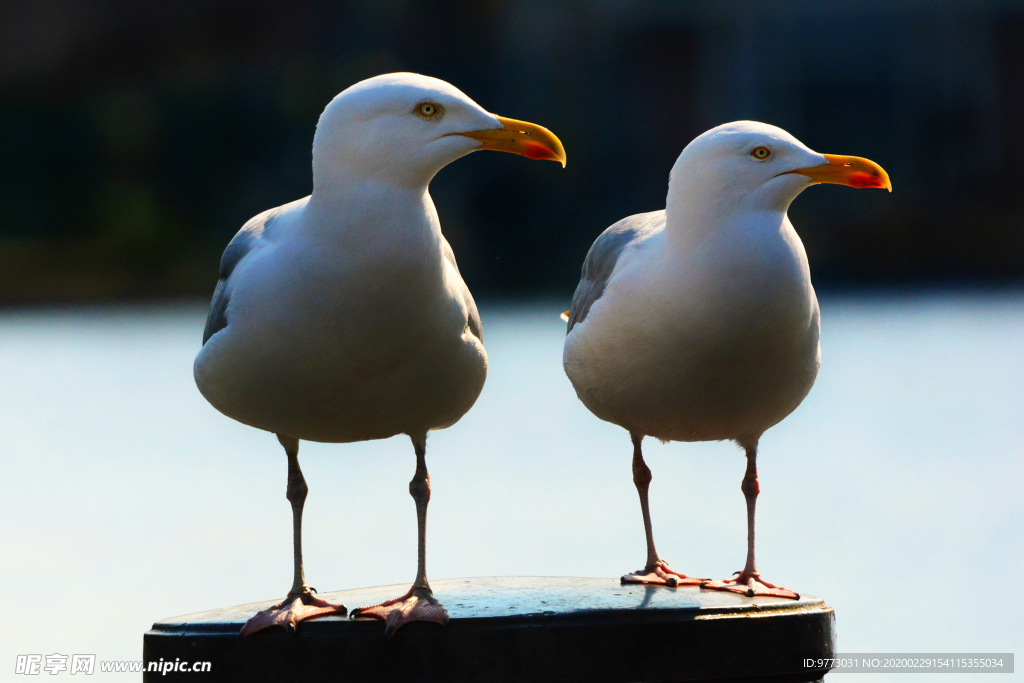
x: 538, y: 152
x: 864, y: 180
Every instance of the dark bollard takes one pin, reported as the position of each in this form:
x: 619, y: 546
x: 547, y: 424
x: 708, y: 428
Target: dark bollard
x: 541, y: 630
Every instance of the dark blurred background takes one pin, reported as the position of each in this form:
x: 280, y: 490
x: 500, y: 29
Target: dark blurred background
x: 137, y: 137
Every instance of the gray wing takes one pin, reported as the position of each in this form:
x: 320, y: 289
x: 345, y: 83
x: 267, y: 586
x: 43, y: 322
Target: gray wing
x: 604, y: 254
x: 473, y: 318
x: 248, y: 240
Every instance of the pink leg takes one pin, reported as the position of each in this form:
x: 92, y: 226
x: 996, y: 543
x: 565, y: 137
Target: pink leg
x: 300, y: 604
x: 419, y: 604
x: 749, y: 582
x: 656, y: 571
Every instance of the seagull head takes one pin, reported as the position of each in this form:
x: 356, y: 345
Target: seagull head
x: 403, y: 128
x: 752, y: 166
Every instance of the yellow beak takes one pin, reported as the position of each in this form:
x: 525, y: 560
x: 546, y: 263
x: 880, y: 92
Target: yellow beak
x: 519, y: 137
x: 851, y: 171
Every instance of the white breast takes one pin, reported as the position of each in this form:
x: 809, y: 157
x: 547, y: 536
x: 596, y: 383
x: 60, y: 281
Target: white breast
x: 348, y: 331
x: 718, y: 340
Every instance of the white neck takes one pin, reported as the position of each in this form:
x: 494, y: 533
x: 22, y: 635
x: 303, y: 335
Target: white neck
x: 363, y: 207
x: 697, y: 207
x: 332, y: 174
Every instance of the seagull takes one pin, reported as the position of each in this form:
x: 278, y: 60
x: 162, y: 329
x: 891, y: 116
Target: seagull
x: 699, y: 322
x: 342, y: 316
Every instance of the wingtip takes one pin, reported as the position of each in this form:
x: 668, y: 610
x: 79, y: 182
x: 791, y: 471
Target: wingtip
x: 565, y: 316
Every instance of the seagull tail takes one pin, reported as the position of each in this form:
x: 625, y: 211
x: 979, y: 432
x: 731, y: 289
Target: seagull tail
x: 565, y: 315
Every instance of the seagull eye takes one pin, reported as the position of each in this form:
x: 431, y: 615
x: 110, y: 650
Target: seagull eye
x: 428, y: 110
x: 761, y: 153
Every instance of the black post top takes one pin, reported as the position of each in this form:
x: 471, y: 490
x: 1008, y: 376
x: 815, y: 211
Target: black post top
x: 517, y: 629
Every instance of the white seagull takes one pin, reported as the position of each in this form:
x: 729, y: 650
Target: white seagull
x: 699, y: 322
x: 342, y: 316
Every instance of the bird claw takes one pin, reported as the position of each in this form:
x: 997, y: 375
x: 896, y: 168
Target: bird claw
x: 419, y: 604
x: 750, y: 584
x: 288, y: 613
x: 659, y: 574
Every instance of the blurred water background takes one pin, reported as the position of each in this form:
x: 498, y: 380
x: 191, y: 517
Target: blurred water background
x: 893, y: 491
